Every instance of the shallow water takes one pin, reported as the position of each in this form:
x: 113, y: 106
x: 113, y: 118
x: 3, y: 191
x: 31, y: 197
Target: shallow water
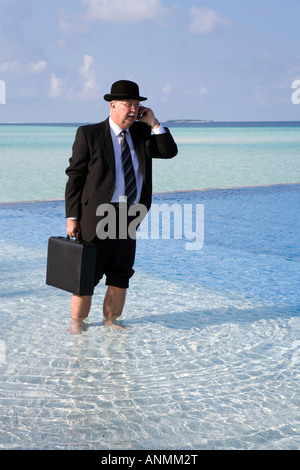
x: 212, y: 359
x: 34, y: 158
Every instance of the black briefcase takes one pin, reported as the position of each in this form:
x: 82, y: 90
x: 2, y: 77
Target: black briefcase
x: 71, y: 265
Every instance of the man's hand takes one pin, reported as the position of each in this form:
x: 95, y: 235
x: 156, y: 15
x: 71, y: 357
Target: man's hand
x: 148, y: 117
x: 73, y: 228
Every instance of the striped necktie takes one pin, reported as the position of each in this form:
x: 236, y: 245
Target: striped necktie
x: 129, y: 176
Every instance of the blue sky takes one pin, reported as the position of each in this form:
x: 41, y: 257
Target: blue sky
x: 223, y: 60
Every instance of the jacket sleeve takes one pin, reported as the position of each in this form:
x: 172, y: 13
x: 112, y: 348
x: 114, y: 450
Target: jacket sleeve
x: 156, y: 145
x: 77, y: 173
x: 162, y: 145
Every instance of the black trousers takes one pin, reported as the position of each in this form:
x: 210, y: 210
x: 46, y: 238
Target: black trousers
x: 115, y: 255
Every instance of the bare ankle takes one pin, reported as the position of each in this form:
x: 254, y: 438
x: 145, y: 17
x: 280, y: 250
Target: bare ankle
x: 80, y: 307
x: 113, y: 303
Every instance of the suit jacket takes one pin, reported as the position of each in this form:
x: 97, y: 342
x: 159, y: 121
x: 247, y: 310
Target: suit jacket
x: 92, y: 169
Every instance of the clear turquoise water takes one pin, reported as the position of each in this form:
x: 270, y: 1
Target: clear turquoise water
x: 34, y: 158
x: 212, y: 360
x: 229, y: 157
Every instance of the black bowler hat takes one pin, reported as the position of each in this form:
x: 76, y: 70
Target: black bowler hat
x: 124, y: 90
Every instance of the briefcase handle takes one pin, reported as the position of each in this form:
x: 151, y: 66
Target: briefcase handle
x: 78, y: 237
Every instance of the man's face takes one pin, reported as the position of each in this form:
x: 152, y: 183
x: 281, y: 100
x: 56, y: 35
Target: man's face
x: 124, y: 112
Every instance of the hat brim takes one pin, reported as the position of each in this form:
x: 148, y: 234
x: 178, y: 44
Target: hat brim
x: 110, y: 97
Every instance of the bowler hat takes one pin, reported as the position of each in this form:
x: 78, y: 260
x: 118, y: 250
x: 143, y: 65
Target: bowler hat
x: 124, y: 90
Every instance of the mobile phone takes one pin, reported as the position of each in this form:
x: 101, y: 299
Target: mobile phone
x: 140, y: 113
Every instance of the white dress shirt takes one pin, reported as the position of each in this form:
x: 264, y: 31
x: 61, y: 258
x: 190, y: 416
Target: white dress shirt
x: 119, y: 193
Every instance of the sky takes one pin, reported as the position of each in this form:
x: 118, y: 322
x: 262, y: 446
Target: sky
x: 214, y: 60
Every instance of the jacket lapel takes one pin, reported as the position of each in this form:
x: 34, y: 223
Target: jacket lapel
x: 107, y: 145
x: 108, y: 149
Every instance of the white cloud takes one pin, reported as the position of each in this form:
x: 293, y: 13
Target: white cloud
x: 124, y: 11
x: 17, y: 66
x: 205, y: 20
x: 165, y: 92
x: 167, y: 89
x: 72, y: 24
x: 55, y: 88
x: 87, y: 72
x: 13, y: 65
x: 86, y: 86
x: 66, y: 27
x: 37, y: 67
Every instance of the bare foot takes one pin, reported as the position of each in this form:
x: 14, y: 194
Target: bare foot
x: 114, y: 324
x: 77, y: 327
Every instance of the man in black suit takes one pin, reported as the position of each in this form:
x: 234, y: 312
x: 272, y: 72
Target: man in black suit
x: 96, y: 177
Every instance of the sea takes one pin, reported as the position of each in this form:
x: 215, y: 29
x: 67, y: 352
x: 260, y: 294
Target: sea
x: 211, y: 360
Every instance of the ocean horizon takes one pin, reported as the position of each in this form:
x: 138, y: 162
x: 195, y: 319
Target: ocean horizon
x: 175, y: 123
x: 211, y: 155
